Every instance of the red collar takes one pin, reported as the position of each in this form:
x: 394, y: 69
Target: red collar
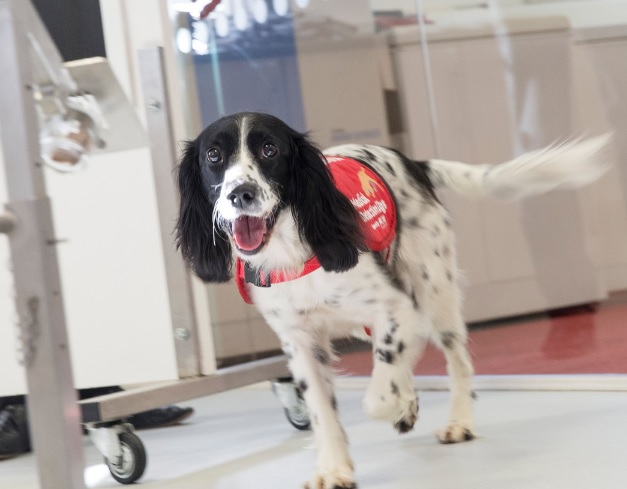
x: 245, y: 274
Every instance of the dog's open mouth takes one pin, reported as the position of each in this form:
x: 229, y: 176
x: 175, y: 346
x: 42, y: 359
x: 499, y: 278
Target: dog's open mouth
x: 250, y: 233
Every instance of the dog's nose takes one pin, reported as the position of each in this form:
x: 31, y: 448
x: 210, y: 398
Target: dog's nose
x: 243, y: 195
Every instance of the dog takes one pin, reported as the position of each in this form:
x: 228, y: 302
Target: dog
x: 259, y: 200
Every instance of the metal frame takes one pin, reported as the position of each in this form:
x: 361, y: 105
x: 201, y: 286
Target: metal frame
x: 53, y: 411
x: 117, y: 406
x: 163, y: 155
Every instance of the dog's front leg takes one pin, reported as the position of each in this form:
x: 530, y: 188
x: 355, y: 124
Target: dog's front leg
x: 310, y: 358
x: 396, y: 343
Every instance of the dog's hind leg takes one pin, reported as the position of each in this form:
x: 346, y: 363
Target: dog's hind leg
x: 451, y: 336
x: 310, y: 360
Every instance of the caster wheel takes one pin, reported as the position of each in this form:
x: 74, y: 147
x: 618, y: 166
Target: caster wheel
x: 132, y: 463
x: 298, y: 416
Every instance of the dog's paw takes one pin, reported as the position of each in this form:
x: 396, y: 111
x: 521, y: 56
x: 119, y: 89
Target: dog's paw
x: 408, y: 420
x: 456, y: 433
x: 337, y: 479
x: 394, y: 405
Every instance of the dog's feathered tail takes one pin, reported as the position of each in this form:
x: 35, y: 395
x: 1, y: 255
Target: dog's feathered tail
x: 568, y: 165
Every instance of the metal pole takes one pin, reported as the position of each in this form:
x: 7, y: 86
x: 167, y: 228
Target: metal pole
x: 52, y: 402
x: 426, y: 63
x: 164, y: 158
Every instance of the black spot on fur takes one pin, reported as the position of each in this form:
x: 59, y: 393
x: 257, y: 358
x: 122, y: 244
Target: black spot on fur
x: 437, y: 252
x: 321, y: 355
x: 390, y: 168
x: 301, y: 312
x: 449, y: 275
x: 387, y: 339
x: 394, y: 388
x: 401, y: 347
x: 388, y: 271
x: 414, y: 300
x: 412, y: 222
x: 393, y: 325
x: 334, y: 403
x: 385, y: 356
x: 420, y: 176
x: 302, y: 386
x: 448, y: 339
x: 474, y: 395
x: 369, y: 155
x: 446, y: 251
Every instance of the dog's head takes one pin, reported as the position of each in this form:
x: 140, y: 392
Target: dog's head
x: 251, y: 185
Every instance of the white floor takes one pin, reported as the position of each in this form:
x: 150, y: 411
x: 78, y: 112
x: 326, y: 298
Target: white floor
x: 241, y: 440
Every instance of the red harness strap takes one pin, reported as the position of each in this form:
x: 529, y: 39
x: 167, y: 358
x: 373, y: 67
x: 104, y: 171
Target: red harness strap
x: 374, y: 203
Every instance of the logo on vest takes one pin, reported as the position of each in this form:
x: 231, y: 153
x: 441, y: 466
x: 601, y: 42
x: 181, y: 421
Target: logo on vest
x: 368, y: 184
x: 371, y: 212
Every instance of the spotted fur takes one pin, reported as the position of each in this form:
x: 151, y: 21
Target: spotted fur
x: 409, y: 300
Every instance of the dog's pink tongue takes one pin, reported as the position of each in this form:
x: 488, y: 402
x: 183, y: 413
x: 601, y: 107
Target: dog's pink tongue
x: 249, y: 232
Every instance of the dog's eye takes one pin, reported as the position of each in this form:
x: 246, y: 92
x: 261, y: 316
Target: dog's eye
x: 214, y: 155
x: 270, y: 150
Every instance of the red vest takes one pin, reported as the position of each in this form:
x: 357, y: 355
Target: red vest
x: 374, y: 203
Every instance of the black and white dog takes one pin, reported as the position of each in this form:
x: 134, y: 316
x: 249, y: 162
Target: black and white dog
x: 257, y: 193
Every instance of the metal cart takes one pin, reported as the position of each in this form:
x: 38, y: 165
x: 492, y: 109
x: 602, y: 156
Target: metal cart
x: 54, y: 413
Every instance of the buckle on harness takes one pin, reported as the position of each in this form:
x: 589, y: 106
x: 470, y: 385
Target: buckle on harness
x: 257, y: 277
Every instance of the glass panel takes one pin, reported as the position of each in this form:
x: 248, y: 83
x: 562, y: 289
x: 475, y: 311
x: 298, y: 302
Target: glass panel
x: 472, y: 81
x: 502, y: 78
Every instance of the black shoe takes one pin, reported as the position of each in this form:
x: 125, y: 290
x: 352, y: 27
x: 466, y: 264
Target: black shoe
x: 158, y: 418
x: 14, y: 436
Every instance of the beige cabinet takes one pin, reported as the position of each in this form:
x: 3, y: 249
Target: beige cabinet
x: 500, y: 90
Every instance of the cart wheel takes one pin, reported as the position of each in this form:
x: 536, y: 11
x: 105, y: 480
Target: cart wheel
x: 298, y: 416
x: 133, y: 460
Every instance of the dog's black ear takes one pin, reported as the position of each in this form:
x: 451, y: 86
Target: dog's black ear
x: 206, y: 250
x: 326, y: 219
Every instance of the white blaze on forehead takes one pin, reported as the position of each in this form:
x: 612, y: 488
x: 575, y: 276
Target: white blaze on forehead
x: 242, y: 168
x: 244, y: 153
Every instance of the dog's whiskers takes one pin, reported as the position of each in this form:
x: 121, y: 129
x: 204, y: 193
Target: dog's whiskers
x: 217, y: 223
